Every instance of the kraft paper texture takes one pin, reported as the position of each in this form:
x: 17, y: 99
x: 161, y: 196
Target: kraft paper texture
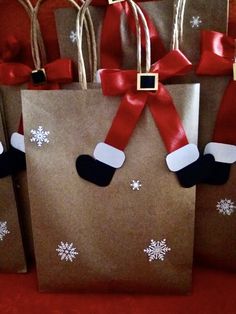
x: 212, y: 15
x: 12, y: 258
x: 12, y: 111
x: 109, y: 227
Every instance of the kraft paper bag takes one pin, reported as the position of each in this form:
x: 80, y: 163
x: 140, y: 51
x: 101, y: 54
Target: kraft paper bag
x: 91, y: 238
x: 215, y: 238
x: 198, y: 15
x: 12, y: 112
x: 12, y: 256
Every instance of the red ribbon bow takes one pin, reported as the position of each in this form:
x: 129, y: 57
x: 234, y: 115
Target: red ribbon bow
x: 57, y: 72
x: 110, y: 47
x: 217, y: 58
x: 10, y: 50
x: 160, y: 103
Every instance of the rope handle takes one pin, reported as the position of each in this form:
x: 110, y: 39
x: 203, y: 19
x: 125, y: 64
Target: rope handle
x: 37, y: 45
x: 178, y: 22
x: 38, y: 35
x: 138, y: 14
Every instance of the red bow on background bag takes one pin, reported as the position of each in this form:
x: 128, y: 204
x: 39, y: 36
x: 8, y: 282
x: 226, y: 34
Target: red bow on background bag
x: 217, y: 59
x: 57, y: 72
x: 111, y: 54
x: 11, y: 49
x: 124, y: 82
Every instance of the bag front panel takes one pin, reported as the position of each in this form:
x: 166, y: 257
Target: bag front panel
x: 108, y: 227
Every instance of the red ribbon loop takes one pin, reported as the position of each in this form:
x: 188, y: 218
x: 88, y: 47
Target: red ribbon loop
x: 59, y: 71
x: 217, y: 58
x: 10, y: 50
x: 118, y: 82
x: 217, y: 54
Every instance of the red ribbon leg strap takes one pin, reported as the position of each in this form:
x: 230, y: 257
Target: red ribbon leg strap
x: 110, y: 46
x: 167, y: 119
x: 183, y: 158
x: 225, y: 127
x: 109, y: 155
x: 223, y: 147
x: 217, y: 58
x: 126, y: 119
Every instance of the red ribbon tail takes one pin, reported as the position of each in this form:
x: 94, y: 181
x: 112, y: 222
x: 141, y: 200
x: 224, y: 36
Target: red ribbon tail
x: 167, y: 119
x: 225, y: 127
x: 126, y: 118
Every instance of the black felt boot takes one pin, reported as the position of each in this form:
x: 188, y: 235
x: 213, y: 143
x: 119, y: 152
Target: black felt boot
x: 12, y: 162
x: 196, y: 172
x: 218, y: 174
x: 94, y: 171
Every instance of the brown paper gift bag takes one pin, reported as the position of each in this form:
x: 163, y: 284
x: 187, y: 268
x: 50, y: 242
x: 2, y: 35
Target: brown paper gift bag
x: 198, y: 15
x: 12, y: 116
x: 12, y: 258
x: 14, y: 77
x: 12, y: 109
x: 92, y: 238
x: 108, y: 227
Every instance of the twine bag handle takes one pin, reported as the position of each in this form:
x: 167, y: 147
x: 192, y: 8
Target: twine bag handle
x: 178, y: 22
x: 79, y: 29
x: 37, y: 44
x: 90, y: 34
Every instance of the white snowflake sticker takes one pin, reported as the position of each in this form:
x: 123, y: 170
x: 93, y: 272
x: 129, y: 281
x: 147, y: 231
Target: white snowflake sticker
x: 39, y: 136
x: 196, y: 21
x: 73, y: 37
x: 135, y: 185
x: 3, y: 230
x: 66, y: 251
x: 157, y: 250
x: 225, y: 207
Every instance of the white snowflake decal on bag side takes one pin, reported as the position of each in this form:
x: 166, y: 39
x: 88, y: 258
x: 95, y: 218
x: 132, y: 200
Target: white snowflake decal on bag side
x: 157, y: 250
x: 225, y: 207
x: 3, y: 230
x: 135, y: 185
x: 73, y: 37
x: 196, y: 21
x: 39, y: 136
x: 66, y: 251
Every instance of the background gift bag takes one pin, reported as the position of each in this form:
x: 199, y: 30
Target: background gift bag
x: 15, y: 76
x: 132, y: 235
x: 12, y: 258
x: 216, y: 199
x: 200, y: 14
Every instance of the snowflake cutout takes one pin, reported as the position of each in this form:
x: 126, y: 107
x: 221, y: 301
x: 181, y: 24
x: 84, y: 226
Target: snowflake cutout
x: 66, y: 251
x: 225, y: 207
x: 136, y: 185
x: 39, y: 136
x: 157, y: 250
x: 73, y: 37
x: 3, y: 230
x: 195, y: 21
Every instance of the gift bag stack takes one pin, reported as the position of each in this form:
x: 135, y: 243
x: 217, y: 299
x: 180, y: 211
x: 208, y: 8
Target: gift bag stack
x: 109, y: 151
